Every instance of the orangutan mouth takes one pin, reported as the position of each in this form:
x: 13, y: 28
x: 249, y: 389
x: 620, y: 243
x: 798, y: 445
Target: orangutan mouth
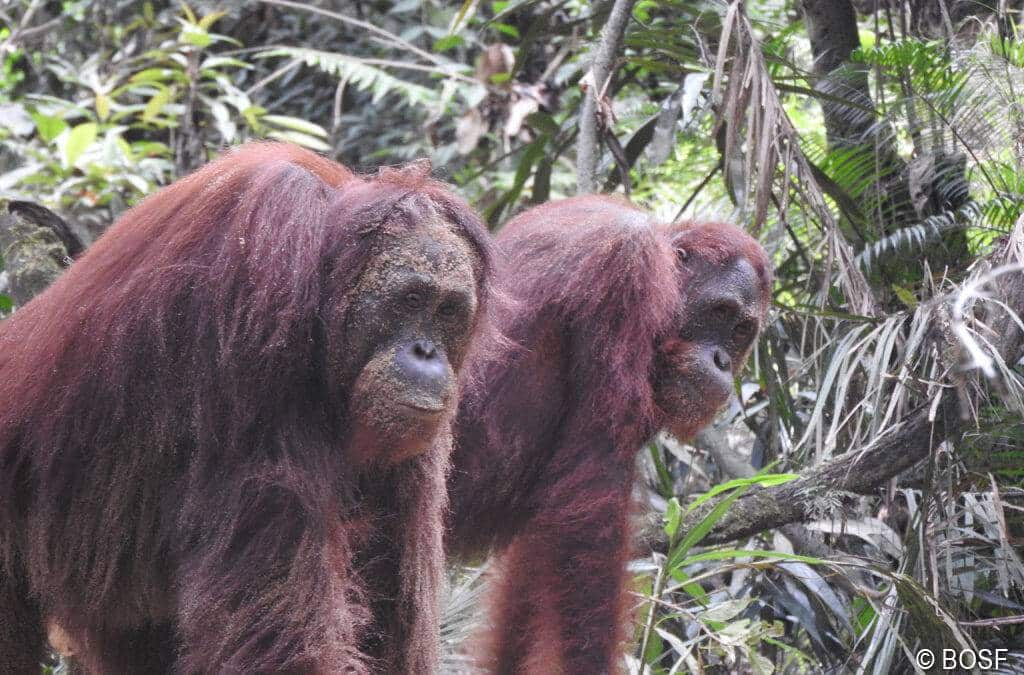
x: 424, y: 410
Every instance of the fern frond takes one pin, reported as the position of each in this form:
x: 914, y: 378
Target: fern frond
x: 358, y: 73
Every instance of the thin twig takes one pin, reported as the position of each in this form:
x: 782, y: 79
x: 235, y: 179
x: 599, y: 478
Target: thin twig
x: 280, y: 72
x: 703, y: 184
x: 997, y: 621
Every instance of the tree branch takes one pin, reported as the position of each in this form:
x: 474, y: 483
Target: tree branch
x: 588, y: 146
x: 859, y: 472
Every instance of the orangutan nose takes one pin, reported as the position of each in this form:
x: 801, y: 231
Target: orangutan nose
x: 722, y: 360
x: 423, y: 365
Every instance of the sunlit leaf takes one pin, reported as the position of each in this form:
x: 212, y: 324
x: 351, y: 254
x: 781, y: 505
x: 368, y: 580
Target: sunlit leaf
x: 298, y: 138
x: 295, y: 124
x: 673, y: 514
x: 78, y: 140
x: 102, y: 106
x: 48, y: 126
x: 156, y: 104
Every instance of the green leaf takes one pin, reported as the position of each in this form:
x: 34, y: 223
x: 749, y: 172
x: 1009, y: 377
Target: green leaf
x: 764, y: 480
x: 102, y: 106
x: 125, y: 148
x: 214, y: 62
x: 906, y: 296
x: 48, y: 126
x: 295, y: 124
x: 664, y: 478
x: 195, y: 35
x: 694, y: 590
x: 79, y: 139
x: 673, y: 515
x: 655, y: 648
x: 700, y: 530
x: 210, y: 19
x: 252, y: 115
x: 505, y: 28
x: 447, y: 42
x: 543, y: 123
x: 156, y: 104
x: 189, y: 14
x: 150, y: 149
x: 300, y: 139
x: 463, y: 14
x: 152, y: 75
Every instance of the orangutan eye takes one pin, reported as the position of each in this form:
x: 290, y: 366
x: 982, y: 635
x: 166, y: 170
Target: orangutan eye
x: 722, y: 313
x: 448, y: 309
x: 744, y: 331
x: 413, y: 300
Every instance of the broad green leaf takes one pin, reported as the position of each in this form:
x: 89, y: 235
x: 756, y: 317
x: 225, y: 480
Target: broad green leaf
x: 195, y: 35
x: 505, y: 28
x: 150, y: 149
x: 152, y: 75
x: 655, y: 648
x: 48, y: 126
x: 79, y: 139
x: 447, y: 42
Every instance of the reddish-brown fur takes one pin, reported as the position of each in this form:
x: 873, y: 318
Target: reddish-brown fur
x: 550, y: 425
x: 175, y: 491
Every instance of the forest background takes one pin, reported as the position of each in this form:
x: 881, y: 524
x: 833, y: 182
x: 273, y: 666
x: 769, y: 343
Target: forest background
x: 863, y: 498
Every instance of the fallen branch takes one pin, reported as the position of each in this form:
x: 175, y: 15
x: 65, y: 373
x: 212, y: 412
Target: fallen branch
x: 861, y: 472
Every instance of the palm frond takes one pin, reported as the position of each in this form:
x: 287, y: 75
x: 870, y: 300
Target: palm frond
x: 773, y: 165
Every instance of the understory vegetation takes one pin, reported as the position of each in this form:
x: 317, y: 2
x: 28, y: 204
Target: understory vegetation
x: 863, y: 497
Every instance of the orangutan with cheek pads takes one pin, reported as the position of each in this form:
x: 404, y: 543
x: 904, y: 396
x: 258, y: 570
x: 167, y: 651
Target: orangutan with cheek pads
x: 224, y: 432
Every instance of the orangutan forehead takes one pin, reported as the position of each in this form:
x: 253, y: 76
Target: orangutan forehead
x: 740, y: 278
x: 427, y: 247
